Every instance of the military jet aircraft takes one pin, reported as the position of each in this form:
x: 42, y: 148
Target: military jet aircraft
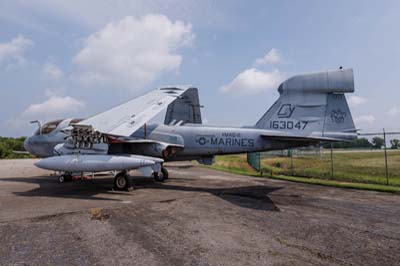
x: 82, y: 145
x: 312, y: 108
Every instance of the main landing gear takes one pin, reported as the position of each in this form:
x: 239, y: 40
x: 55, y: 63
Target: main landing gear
x: 121, y: 181
x: 162, y: 175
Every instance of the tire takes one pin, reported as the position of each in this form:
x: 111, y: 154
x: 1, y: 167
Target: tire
x: 61, y: 179
x: 158, y: 176
x: 165, y: 173
x: 121, y: 181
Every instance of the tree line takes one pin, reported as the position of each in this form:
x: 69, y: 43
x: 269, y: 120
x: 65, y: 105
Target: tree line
x: 8, y: 146
x: 375, y: 143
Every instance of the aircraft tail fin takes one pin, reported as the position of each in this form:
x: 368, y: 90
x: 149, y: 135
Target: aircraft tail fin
x: 313, y: 105
x: 184, y: 110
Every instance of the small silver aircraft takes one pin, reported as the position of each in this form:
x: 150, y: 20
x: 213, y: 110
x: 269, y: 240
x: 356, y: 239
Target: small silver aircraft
x: 312, y: 108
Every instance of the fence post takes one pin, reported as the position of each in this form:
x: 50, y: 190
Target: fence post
x: 386, y: 161
x: 321, y: 153
x: 291, y: 161
x: 332, y: 160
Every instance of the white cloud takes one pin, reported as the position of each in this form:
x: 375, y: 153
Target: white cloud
x: 272, y: 57
x: 52, y: 71
x: 364, y: 119
x: 252, y: 81
x: 394, y: 111
x: 13, y: 51
x: 54, y: 106
x: 355, y: 100
x: 133, y: 52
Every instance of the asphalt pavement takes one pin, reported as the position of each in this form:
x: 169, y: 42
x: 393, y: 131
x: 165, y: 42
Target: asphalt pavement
x: 197, y: 217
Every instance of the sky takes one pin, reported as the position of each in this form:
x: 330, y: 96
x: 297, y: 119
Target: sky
x: 61, y: 59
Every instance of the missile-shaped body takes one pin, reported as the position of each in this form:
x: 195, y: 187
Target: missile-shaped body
x: 92, y: 163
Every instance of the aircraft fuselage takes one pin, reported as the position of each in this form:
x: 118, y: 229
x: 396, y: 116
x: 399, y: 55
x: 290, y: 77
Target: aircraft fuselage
x: 198, y: 141
x: 201, y: 141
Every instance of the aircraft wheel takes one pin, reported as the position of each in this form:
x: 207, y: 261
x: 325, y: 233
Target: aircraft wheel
x: 165, y: 173
x: 121, y: 181
x: 159, y: 176
x: 61, y: 179
x: 65, y: 178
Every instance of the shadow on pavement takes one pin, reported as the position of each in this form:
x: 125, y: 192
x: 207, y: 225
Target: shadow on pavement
x: 79, y: 189
x: 254, y: 197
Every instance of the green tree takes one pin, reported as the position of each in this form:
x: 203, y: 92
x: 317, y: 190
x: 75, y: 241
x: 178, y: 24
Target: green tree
x: 358, y: 143
x: 8, y: 145
x: 361, y: 143
x: 378, y: 142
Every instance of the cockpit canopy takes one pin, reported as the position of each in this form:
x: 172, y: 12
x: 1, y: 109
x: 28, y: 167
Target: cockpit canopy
x: 50, y: 126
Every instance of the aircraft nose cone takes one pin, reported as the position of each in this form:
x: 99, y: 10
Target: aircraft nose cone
x: 27, y: 145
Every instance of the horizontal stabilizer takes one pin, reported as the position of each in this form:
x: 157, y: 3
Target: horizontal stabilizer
x: 281, y: 137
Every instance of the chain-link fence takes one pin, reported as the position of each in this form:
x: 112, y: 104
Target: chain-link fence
x: 375, y: 160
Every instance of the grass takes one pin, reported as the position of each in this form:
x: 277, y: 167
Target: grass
x: 357, y: 166
x: 358, y: 170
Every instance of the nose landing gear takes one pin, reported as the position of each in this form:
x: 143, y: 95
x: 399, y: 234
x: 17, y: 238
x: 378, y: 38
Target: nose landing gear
x: 162, y: 175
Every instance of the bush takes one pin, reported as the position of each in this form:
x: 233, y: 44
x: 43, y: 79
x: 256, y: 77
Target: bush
x: 8, y: 145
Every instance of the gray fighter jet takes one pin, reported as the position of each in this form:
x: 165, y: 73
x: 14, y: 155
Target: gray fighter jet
x: 312, y: 108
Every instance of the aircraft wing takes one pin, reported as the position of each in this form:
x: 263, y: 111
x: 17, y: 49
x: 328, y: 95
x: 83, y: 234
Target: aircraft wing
x: 144, y: 146
x: 125, y: 119
x: 145, y: 142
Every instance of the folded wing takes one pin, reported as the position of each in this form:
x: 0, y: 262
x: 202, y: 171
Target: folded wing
x: 123, y: 120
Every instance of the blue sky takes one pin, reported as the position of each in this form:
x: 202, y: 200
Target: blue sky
x: 63, y: 59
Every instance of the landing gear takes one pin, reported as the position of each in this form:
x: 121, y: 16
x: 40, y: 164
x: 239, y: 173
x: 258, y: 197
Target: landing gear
x: 121, y: 181
x: 164, y: 171
x: 65, y: 178
x: 161, y: 176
